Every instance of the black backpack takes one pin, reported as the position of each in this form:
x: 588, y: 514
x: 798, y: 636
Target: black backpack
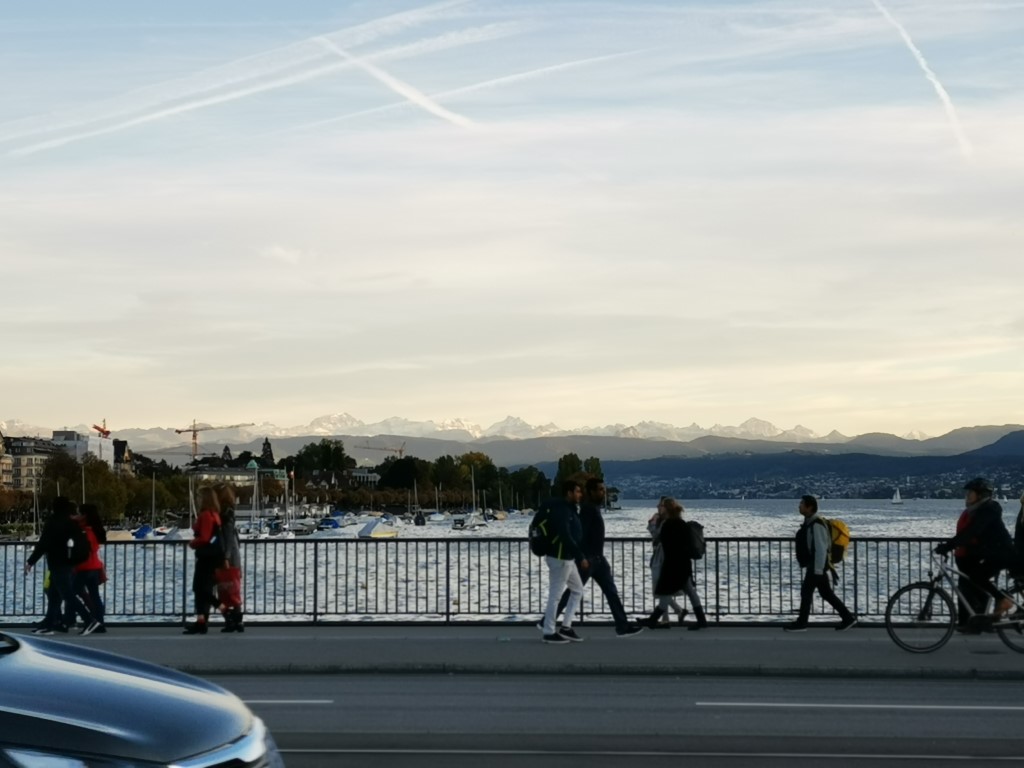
x: 78, y: 546
x: 540, y: 531
x: 695, y: 544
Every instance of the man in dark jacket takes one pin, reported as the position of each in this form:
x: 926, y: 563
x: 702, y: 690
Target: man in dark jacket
x: 564, y: 552
x: 982, y: 547
x: 592, y: 524
x: 56, y: 542
x: 813, y: 543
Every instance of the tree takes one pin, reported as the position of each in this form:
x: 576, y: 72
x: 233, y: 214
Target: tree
x: 267, y: 456
x: 592, y: 467
x: 569, y: 467
x: 225, y: 455
x: 326, y: 456
x: 445, y: 473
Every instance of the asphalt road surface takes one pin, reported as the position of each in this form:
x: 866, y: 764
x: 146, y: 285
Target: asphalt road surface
x: 540, y: 721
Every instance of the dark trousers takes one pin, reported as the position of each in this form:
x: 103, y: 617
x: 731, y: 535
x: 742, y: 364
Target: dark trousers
x: 601, y: 573
x: 976, y: 587
x: 62, y: 593
x: 87, y: 584
x: 823, y: 586
x: 204, y: 585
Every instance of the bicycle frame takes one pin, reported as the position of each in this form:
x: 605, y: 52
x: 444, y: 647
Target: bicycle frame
x: 947, y: 572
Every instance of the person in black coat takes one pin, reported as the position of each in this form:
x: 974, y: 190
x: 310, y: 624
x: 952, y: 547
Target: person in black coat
x: 55, y: 543
x: 982, y: 546
x: 676, y: 573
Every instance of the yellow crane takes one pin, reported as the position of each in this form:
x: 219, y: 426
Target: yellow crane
x: 400, y: 450
x: 195, y: 429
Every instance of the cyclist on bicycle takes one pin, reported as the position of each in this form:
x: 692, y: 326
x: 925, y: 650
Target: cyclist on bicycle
x: 983, y: 548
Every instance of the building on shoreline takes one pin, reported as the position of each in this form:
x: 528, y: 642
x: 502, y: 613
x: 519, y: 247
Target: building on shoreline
x: 28, y: 457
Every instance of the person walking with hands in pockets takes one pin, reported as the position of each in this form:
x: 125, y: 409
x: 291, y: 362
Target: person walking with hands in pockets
x: 563, y: 554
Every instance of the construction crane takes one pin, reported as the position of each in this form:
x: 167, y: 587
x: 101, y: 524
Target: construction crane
x: 195, y: 429
x: 104, y: 432
x: 400, y: 450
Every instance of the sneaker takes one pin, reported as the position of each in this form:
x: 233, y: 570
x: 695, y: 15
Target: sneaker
x: 556, y: 639
x: 846, y: 625
x: 62, y: 629
x: 42, y: 631
x: 199, y: 628
x: 630, y: 632
x: 570, y: 633
x: 540, y: 625
x: 89, y: 628
x: 101, y: 629
x: 796, y: 626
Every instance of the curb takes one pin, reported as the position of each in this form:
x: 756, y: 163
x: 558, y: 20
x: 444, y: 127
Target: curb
x: 581, y: 670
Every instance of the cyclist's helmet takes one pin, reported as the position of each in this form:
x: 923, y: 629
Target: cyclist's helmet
x: 980, y: 486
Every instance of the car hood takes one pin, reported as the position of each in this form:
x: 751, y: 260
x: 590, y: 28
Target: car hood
x: 79, y: 700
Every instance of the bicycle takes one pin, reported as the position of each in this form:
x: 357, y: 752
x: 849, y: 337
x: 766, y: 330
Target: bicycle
x: 921, y: 617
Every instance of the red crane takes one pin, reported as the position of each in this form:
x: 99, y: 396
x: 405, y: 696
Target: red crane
x: 104, y: 432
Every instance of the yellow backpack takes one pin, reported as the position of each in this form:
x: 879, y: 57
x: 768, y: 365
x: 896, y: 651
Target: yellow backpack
x: 839, y: 532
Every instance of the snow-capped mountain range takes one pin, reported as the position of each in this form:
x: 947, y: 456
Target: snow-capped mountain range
x: 510, y: 428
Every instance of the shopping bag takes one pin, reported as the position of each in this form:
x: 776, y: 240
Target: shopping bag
x: 229, y: 587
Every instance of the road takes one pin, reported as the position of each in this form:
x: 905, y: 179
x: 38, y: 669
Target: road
x: 540, y: 721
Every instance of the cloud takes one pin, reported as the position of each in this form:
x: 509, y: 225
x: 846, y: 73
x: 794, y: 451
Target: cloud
x: 280, y: 253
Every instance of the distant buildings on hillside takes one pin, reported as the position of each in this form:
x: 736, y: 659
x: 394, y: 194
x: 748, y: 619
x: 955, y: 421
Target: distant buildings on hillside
x: 22, y: 458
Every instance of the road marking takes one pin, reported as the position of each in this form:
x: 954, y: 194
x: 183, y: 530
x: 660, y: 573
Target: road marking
x: 288, y: 701
x: 815, y: 705
x: 974, y: 759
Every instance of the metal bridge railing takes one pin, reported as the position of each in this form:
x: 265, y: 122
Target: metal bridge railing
x: 448, y: 580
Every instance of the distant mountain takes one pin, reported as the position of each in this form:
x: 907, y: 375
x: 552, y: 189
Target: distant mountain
x: 514, y: 441
x: 1007, y: 446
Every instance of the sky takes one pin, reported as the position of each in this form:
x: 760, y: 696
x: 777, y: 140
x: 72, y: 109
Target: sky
x: 574, y: 212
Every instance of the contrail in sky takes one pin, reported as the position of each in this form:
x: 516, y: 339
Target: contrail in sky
x: 414, y: 95
x: 481, y: 86
x: 965, y: 144
x: 155, y: 102
x: 440, y: 43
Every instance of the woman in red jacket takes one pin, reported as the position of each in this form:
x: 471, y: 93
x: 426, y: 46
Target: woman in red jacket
x: 209, y: 551
x: 90, y: 574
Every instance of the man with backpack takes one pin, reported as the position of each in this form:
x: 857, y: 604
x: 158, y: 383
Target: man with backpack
x: 65, y: 545
x: 562, y: 551
x: 592, y: 544
x: 813, y: 548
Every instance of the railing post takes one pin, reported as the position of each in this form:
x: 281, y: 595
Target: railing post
x: 447, y: 582
x: 856, y: 582
x: 316, y: 581
x: 184, y: 584
x: 718, y: 586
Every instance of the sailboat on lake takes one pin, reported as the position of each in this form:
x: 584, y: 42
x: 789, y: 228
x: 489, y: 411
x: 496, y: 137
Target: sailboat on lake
x: 896, y: 498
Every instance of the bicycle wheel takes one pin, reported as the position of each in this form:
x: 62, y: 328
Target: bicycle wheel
x: 920, y: 617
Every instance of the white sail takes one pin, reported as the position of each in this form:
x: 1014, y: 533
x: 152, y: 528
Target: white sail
x: 896, y: 498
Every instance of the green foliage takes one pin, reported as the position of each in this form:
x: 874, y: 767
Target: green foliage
x: 267, y: 454
x: 592, y: 467
x: 569, y: 468
x: 326, y: 456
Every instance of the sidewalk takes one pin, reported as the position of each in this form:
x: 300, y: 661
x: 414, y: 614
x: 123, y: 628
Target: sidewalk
x: 518, y: 650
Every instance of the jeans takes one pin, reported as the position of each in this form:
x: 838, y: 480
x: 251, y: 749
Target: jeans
x: 813, y: 582
x: 601, y: 573
x: 561, y: 574
x: 62, y: 592
x: 88, y: 583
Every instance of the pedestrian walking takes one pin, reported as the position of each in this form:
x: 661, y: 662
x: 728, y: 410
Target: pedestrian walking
x: 657, y: 558
x: 592, y: 544
x: 90, y: 574
x: 64, y: 545
x: 675, y: 576
x: 813, y: 544
x: 232, y: 560
x: 564, y: 558
x: 209, y: 553
x: 982, y: 548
